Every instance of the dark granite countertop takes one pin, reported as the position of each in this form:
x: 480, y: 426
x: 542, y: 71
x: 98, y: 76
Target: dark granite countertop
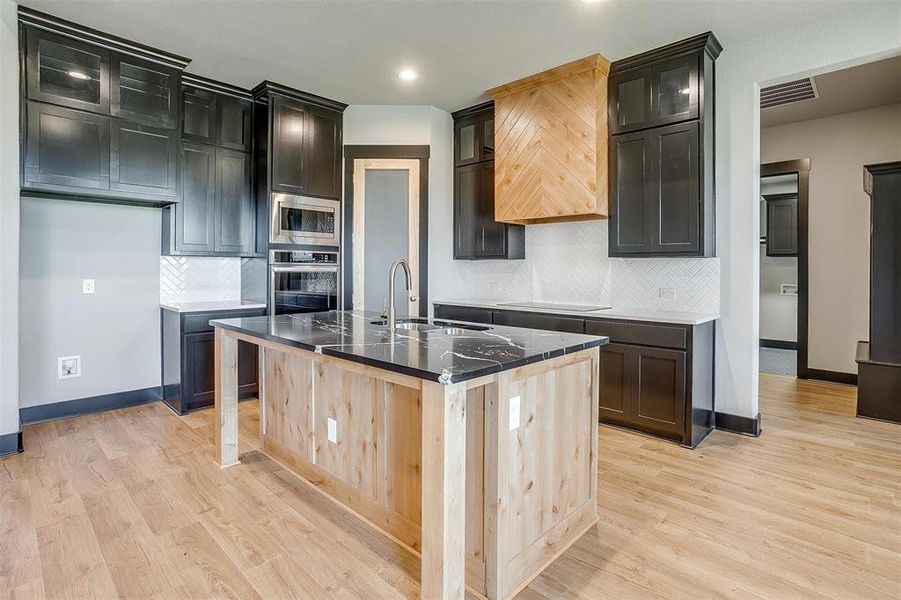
x: 434, y: 355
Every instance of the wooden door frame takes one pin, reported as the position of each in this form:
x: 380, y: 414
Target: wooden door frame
x: 801, y: 168
x: 421, y: 274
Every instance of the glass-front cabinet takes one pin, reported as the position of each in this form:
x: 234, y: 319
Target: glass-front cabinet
x: 474, y: 139
x: 143, y: 91
x: 67, y: 72
x: 661, y: 94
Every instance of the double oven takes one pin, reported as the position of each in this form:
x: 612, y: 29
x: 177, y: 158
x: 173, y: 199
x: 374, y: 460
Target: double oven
x: 304, y: 254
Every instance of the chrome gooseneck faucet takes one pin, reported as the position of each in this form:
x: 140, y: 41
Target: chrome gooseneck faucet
x: 392, y: 313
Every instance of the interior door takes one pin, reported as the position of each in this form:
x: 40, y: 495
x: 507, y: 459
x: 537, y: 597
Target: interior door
x: 385, y: 227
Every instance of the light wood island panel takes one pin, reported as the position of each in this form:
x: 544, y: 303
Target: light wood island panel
x: 442, y: 469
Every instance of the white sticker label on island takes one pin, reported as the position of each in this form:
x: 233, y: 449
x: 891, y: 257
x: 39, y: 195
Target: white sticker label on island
x: 332, y: 430
x: 514, y: 413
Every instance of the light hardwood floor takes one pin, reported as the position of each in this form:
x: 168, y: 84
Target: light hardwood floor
x: 129, y: 503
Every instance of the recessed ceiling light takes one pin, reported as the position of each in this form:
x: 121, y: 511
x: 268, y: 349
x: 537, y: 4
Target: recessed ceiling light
x: 407, y: 74
x: 589, y: 1
x: 78, y: 75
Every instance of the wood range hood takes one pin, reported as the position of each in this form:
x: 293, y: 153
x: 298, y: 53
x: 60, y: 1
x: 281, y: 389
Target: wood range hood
x: 551, y: 144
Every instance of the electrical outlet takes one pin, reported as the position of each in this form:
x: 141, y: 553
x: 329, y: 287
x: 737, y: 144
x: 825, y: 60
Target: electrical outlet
x: 668, y: 293
x: 332, y: 430
x: 68, y: 367
x: 87, y: 286
x: 514, y: 413
x: 493, y: 286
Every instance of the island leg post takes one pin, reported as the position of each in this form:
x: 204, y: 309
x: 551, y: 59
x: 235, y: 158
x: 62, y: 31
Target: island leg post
x: 443, y: 491
x: 226, y: 374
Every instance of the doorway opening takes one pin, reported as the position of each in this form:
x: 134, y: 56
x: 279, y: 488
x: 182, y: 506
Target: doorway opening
x: 783, y: 267
x: 385, y: 217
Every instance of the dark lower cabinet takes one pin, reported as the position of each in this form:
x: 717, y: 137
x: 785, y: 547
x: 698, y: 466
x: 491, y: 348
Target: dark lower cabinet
x: 463, y: 313
x: 616, y: 384
x: 658, y: 390
x: 199, y: 385
x: 656, y: 378
x: 188, y: 359
x: 532, y: 320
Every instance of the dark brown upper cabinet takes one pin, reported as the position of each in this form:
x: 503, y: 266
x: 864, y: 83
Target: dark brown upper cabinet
x: 306, y: 148
x: 216, y: 113
x: 662, y: 197
x: 323, y: 149
x: 143, y: 91
x: 215, y: 215
x: 143, y: 160
x: 289, y: 157
x: 476, y: 234
x: 51, y: 133
x: 474, y: 136
x: 100, y: 117
x: 198, y: 110
x: 661, y: 94
x: 234, y: 124
x: 781, y: 224
x: 67, y: 72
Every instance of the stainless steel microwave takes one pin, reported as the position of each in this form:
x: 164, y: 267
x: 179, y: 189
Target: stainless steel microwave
x: 304, y: 220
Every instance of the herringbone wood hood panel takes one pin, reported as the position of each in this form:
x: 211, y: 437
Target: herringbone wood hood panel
x: 551, y: 144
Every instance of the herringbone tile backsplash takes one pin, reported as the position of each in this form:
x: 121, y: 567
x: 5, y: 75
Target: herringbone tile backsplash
x: 568, y: 262
x: 199, y: 278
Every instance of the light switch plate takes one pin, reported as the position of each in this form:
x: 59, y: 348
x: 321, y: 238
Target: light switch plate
x: 667, y: 293
x: 87, y: 286
x: 332, y: 430
x: 514, y: 413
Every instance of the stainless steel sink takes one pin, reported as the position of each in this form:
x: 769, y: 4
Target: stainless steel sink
x: 413, y: 326
x: 424, y: 325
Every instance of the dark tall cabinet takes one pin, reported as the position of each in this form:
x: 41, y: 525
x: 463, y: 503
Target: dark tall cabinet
x: 661, y: 154
x: 215, y: 215
x: 100, y: 115
x: 879, y: 360
x: 297, y: 148
x: 476, y: 234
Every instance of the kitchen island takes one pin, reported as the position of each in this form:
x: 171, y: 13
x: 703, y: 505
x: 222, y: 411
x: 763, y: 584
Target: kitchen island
x: 472, y: 445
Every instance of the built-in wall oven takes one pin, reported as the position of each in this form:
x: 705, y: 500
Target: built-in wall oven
x: 302, y: 281
x: 303, y: 220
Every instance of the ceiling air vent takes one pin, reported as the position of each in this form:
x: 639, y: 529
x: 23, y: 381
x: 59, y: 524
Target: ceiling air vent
x: 787, y: 93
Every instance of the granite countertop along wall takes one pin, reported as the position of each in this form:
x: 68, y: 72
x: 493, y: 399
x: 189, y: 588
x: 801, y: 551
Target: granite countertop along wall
x: 440, y: 355
x: 628, y: 314
x: 211, y: 306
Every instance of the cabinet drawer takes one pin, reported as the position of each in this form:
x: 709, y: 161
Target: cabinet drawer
x: 200, y: 322
x: 463, y: 313
x: 668, y: 336
x: 539, y: 321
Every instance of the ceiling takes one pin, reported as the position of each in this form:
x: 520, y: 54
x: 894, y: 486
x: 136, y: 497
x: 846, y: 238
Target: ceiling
x: 351, y: 50
x: 848, y: 90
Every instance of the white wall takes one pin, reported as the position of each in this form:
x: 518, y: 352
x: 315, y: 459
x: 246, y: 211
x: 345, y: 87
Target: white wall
x: 116, y: 330
x: 419, y: 125
x: 839, y: 225
x: 9, y: 219
x: 867, y: 33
